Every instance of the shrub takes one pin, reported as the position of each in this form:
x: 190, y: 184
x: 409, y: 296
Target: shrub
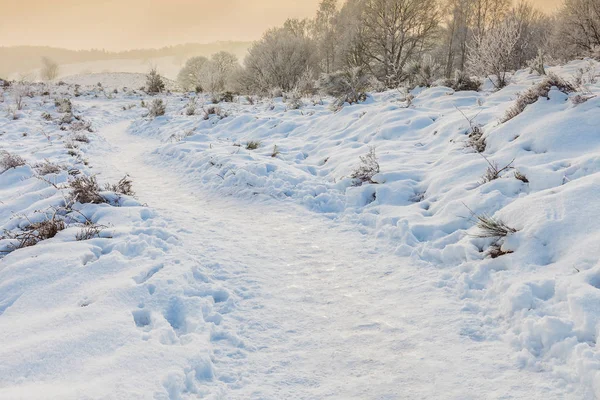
x: 157, y: 108
x: 47, y: 168
x: 214, y: 110
x: 9, y: 161
x: 368, y: 168
x: 521, y: 177
x: 494, y: 171
x: 81, y: 138
x: 124, y: 187
x: 49, y: 70
x: 532, y: 95
x: 422, y: 72
x: 36, y: 232
x: 89, y: 231
x: 85, y: 190
x: 463, y: 82
x: 275, y: 151
x: 190, y: 109
x: 154, y: 82
x: 349, y: 86
x: 492, y: 228
x: 63, y: 105
x: 536, y: 65
x: 293, y: 100
x: 252, y: 145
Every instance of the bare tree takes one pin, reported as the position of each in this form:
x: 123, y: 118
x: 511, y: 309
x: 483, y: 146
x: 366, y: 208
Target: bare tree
x: 580, y: 25
x: 324, y: 33
x: 397, y: 31
x: 49, y: 70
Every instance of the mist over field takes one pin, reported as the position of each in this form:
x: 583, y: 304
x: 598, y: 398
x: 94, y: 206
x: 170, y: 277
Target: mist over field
x: 284, y: 199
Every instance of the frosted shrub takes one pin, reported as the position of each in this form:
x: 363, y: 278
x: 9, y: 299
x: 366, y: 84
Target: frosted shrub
x: 293, y: 100
x: 85, y: 190
x: 536, y: 65
x: 490, y: 227
x: 252, y: 145
x: 492, y: 54
x: 368, y: 168
x: 63, y: 105
x: 154, y: 82
x: 422, y: 72
x: 190, y: 109
x: 349, y: 86
x: 36, y: 232
x: 124, y: 187
x: 463, y: 82
x: 533, y: 94
x: 9, y: 161
x: 157, y: 108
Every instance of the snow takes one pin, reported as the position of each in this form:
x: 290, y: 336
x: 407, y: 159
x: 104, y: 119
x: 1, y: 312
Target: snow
x: 238, y: 274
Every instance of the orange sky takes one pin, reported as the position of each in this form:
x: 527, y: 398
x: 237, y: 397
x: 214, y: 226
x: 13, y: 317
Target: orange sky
x: 126, y: 24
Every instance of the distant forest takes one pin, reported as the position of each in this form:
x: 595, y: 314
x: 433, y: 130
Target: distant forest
x: 25, y: 58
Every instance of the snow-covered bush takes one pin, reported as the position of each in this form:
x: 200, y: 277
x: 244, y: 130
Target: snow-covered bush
x: 533, y: 94
x: 190, y: 109
x: 422, y: 72
x: 35, y: 232
x: 494, y: 171
x: 293, y: 100
x: 368, y: 168
x: 157, y: 108
x: 9, y: 161
x: 349, y: 86
x: 490, y: 227
x: 81, y: 137
x: 154, y: 82
x: 463, y: 82
x: 85, y: 190
x: 536, y: 65
x: 124, y: 187
x: 491, y: 54
x: 47, y: 168
x: 214, y: 110
x: 63, y: 105
x: 252, y: 145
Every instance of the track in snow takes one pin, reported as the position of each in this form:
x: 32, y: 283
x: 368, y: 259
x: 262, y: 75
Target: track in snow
x: 320, y: 311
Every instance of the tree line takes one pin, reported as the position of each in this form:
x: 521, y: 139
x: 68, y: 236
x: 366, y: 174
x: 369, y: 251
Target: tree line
x: 404, y: 42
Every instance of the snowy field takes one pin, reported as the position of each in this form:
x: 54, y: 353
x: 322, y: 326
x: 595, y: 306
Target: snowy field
x: 249, y: 264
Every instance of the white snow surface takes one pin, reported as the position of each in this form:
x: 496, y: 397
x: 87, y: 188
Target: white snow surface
x: 234, y: 274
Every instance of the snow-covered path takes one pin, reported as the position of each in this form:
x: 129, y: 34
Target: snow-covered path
x: 307, y: 308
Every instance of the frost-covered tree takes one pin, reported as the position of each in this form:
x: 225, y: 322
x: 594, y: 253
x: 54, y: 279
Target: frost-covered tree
x: 466, y: 19
x: 190, y: 75
x: 579, y: 22
x: 396, y: 32
x: 535, y: 28
x: 216, y: 75
x: 279, y: 59
x: 154, y: 82
x: 492, y: 54
x: 323, y: 30
x: 350, y: 49
x: 50, y: 69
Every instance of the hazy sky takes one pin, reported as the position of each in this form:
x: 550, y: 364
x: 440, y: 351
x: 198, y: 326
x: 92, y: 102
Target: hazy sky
x: 126, y: 24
